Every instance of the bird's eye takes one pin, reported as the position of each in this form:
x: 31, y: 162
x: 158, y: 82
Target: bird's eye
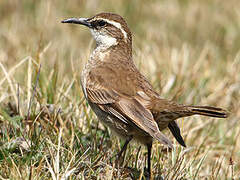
x: 98, y: 24
x: 101, y: 23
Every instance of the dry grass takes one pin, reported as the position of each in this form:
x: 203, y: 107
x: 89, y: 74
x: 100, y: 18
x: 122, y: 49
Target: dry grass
x: 189, y: 50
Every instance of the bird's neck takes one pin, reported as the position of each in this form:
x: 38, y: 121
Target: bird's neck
x: 118, y: 51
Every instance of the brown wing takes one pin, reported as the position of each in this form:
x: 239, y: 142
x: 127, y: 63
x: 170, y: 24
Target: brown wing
x: 129, y: 110
x: 118, y: 99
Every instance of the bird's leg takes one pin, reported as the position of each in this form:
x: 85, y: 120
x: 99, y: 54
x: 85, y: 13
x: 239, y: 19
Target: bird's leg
x: 123, y: 148
x: 149, y: 148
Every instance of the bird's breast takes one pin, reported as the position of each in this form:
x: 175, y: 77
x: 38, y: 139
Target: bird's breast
x: 84, y: 77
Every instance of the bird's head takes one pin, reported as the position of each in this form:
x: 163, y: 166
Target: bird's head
x: 108, y: 29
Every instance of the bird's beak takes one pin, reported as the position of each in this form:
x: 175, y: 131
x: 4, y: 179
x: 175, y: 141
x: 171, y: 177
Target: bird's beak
x: 82, y: 21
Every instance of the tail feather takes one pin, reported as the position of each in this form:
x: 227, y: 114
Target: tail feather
x: 175, y: 130
x: 208, y: 111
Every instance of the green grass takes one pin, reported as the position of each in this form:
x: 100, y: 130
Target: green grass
x: 189, y: 50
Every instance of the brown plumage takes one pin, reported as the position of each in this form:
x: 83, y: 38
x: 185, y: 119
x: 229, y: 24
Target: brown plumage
x: 121, y: 96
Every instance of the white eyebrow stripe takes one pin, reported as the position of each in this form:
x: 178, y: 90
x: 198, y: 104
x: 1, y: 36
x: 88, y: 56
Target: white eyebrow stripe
x: 116, y: 24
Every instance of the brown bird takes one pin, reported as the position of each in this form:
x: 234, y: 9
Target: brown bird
x: 121, y: 96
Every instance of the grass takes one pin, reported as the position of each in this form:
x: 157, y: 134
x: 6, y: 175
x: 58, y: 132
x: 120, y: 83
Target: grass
x: 189, y: 50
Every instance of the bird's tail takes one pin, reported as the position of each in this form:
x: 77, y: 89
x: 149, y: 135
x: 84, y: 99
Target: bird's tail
x: 208, y: 111
x: 195, y: 110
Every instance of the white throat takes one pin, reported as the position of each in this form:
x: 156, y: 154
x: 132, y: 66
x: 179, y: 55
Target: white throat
x: 103, y: 40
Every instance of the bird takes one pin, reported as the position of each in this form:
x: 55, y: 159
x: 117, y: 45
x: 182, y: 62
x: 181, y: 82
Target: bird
x: 121, y: 97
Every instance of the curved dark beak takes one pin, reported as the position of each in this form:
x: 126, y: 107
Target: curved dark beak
x: 82, y: 21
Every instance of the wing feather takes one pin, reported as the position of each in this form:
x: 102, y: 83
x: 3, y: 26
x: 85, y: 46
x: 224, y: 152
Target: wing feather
x: 129, y: 110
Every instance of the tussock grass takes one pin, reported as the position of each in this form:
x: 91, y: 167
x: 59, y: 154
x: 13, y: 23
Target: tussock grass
x: 189, y: 50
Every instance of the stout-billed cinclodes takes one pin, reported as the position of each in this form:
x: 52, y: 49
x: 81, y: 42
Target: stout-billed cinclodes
x: 121, y: 96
